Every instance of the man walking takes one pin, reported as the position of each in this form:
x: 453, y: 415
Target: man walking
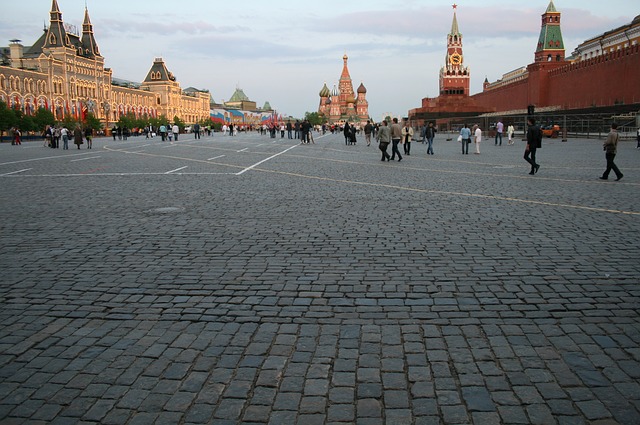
x: 611, y: 148
x: 368, y: 129
x: 534, y: 141
x: 396, y: 137
x: 430, y: 133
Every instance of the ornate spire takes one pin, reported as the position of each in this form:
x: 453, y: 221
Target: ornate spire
x: 454, y: 24
x: 345, y: 69
x: 89, y: 44
x: 56, y: 34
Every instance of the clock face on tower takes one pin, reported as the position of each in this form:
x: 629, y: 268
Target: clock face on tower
x: 455, y: 59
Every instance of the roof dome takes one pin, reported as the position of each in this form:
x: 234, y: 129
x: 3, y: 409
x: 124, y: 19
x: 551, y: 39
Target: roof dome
x: 362, y: 88
x: 335, y: 92
x: 351, y: 99
x: 325, y: 91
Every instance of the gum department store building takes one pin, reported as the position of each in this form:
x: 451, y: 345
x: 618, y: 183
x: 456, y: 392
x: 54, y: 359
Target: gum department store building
x: 64, y: 72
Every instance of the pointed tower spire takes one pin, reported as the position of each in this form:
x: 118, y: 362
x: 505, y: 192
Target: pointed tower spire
x: 550, y: 46
x: 89, y: 44
x: 454, y: 24
x: 56, y: 34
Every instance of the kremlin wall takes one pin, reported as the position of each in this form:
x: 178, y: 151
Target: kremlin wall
x: 601, y: 76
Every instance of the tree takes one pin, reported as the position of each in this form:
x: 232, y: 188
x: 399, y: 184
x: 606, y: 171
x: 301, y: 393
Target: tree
x: 179, y: 122
x: 8, y: 117
x: 43, y: 117
x: 313, y: 117
x: 92, y: 122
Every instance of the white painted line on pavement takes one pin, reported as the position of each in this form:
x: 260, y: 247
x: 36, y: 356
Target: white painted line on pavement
x: 215, y: 157
x: 177, y: 169
x: 84, y: 159
x: 265, y: 160
x: 242, y: 150
x: 16, y: 172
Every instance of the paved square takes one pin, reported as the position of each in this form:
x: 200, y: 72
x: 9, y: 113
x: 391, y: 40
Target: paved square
x: 250, y: 280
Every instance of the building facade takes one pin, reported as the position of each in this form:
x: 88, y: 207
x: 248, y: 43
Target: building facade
x: 602, y: 73
x: 63, y: 71
x: 342, y: 104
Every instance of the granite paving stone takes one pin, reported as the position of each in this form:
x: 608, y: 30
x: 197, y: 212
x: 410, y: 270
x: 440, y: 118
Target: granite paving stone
x: 319, y: 285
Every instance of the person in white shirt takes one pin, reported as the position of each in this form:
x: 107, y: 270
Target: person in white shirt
x: 477, y: 132
x: 176, y: 130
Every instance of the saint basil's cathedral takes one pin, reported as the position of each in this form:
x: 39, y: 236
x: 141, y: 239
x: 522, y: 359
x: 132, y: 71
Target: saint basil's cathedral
x: 341, y: 104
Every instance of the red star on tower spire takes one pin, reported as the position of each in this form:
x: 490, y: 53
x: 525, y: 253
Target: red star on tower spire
x: 455, y: 6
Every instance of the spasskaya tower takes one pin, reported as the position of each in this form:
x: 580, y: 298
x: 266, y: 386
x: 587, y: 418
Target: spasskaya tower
x: 454, y: 76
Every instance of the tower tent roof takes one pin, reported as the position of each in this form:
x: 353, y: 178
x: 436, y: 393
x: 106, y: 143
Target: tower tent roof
x: 238, y: 96
x: 159, y: 72
x: 551, y: 7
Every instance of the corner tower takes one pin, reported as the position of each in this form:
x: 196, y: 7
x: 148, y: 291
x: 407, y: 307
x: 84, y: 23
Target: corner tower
x: 550, y: 46
x: 454, y: 76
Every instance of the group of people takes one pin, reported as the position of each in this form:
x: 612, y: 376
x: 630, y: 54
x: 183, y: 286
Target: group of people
x: 52, y: 136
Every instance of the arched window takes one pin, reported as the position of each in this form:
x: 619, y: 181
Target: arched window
x: 52, y: 39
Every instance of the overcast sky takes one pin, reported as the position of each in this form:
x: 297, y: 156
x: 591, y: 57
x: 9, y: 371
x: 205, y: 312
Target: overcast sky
x: 283, y: 51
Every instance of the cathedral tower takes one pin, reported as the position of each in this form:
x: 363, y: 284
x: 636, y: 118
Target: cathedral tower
x: 454, y: 76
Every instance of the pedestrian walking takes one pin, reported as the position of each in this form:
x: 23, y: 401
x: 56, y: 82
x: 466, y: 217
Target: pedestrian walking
x: 396, y: 138
x: 176, y: 130
x: 407, y: 135
x: 196, y: 131
x: 534, y: 141
x: 610, y: 147
x: 510, y: 131
x: 368, y: 129
x: 430, y: 134
x: 88, y: 134
x: 638, y: 138
x: 384, y: 137
x: 77, y: 136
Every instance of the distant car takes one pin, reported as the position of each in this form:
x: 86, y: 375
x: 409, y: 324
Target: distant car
x: 550, y: 130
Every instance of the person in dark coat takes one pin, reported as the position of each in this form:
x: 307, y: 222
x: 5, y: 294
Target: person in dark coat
x: 77, y: 136
x: 534, y: 141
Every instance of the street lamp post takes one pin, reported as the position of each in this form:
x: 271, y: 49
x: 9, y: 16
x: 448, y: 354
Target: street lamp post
x: 106, y: 107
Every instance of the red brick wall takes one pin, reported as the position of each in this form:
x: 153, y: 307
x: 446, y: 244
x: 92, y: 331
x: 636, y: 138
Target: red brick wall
x: 601, y: 81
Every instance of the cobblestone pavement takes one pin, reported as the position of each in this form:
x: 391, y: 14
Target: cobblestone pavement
x: 249, y: 280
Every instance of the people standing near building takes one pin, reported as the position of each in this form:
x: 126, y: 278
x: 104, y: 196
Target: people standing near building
x: 289, y: 130
x: 396, y: 138
x: 465, y: 135
x: 368, y: 129
x: 64, y: 133
x: 304, y: 128
x: 176, y: 130
x: 88, y: 134
x: 55, y: 138
x: 534, y: 141
x: 384, y: 137
x: 17, y: 136
x: 611, y: 149
x: 77, y: 136
x: 477, y: 136
x: 638, y: 138
x: 119, y: 130
x: 510, y: 131
x: 196, y: 131
x: 430, y: 134
x: 163, y: 132
x: 499, y: 130
x: 407, y: 135
x: 346, y: 131
x: 282, y: 128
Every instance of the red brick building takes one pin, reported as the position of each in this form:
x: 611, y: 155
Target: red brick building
x: 552, y: 82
